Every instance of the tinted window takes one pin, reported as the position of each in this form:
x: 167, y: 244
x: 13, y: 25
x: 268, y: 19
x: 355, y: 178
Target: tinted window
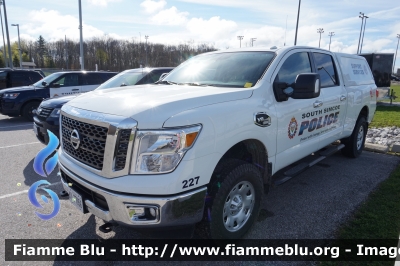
x: 91, y: 79
x: 34, y: 76
x: 106, y: 76
x: 67, y: 80
x: 295, y: 64
x: 19, y: 78
x: 153, y: 76
x: 326, y: 70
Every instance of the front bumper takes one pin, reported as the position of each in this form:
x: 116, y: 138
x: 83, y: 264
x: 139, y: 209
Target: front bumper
x: 9, y: 107
x: 176, y: 210
x: 51, y: 124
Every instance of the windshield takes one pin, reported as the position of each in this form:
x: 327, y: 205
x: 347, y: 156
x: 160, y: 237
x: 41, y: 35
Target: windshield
x: 47, y: 79
x: 126, y: 78
x: 237, y: 69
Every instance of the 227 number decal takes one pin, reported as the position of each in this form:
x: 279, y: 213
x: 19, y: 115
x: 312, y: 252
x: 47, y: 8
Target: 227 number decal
x: 190, y: 182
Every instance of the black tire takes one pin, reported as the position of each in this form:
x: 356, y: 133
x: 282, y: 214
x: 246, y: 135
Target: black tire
x: 354, y: 144
x: 236, y: 180
x: 27, y: 110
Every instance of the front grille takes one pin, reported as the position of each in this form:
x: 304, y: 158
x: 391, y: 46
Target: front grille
x: 92, y: 142
x: 121, y: 149
x: 86, y: 193
x: 45, y: 112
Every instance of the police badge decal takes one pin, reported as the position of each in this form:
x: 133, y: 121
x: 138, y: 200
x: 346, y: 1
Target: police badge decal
x: 292, y: 128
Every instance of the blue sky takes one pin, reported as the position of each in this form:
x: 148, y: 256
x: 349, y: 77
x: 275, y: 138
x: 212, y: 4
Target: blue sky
x: 216, y: 22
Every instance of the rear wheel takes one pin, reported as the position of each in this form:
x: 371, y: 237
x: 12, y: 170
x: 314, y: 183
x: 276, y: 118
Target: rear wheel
x: 236, y: 199
x: 27, y: 110
x: 354, y: 144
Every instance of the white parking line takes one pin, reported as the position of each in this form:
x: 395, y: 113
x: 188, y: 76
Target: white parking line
x: 19, y: 145
x: 24, y: 125
x: 26, y: 191
x: 13, y: 194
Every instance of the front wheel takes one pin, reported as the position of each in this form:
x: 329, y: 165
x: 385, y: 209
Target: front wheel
x: 27, y: 110
x: 236, y: 200
x: 354, y: 145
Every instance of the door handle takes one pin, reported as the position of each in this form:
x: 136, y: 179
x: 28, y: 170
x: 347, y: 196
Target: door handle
x: 318, y: 104
x: 75, y: 89
x: 342, y: 98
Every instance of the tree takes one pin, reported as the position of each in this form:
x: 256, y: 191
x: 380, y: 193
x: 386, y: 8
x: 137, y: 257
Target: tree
x: 41, y: 50
x: 15, y: 61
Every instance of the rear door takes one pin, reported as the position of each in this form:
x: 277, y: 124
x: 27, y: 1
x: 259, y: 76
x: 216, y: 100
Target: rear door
x: 334, y: 97
x: 66, y: 84
x: 90, y: 81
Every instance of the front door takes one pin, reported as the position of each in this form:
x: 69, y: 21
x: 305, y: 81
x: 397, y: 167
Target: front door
x: 298, y: 119
x: 67, y: 84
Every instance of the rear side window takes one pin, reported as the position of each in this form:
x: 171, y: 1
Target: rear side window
x: 294, y: 65
x: 91, y: 79
x: 34, y: 76
x: 326, y: 70
x: 106, y: 76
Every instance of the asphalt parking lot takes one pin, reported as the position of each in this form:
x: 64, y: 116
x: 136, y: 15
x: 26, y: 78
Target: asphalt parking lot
x: 312, y: 205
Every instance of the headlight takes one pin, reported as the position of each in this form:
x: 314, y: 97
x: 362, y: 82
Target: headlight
x: 160, y: 151
x: 55, y: 112
x: 10, y: 95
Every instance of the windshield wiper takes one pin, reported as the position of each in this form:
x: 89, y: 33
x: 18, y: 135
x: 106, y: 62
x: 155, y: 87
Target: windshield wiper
x: 193, y: 84
x: 165, y: 82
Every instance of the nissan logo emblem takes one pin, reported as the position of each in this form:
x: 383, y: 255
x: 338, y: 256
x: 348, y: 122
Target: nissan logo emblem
x: 75, y: 140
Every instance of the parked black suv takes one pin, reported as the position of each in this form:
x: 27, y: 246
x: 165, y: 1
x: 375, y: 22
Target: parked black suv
x: 46, y: 117
x: 10, y: 78
x: 22, y: 100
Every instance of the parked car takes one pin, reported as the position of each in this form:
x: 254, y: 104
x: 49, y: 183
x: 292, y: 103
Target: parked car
x: 393, y: 77
x: 23, y: 100
x: 137, y: 76
x: 10, y: 78
x: 46, y: 117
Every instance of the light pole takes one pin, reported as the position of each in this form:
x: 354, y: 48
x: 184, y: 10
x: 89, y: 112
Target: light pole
x: 330, y: 38
x: 81, y: 37
x: 252, y: 40
x: 240, y: 38
x: 146, y: 37
x: 2, y: 32
x: 8, y: 35
x: 394, y: 63
x: 297, y: 24
x: 19, y: 46
x: 361, y: 16
x: 320, y: 31
x: 362, y: 39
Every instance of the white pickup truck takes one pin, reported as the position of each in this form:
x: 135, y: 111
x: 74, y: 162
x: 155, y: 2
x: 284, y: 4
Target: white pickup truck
x: 206, y: 142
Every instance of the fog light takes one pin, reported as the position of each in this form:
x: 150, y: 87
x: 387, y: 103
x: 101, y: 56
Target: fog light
x: 135, y: 213
x: 153, y: 212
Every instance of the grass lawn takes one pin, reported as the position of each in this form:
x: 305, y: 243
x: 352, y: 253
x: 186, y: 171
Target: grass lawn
x: 386, y: 116
x: 377, y: 218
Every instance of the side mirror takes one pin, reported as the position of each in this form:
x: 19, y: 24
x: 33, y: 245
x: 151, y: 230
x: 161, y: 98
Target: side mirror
x: 44, y: 83
x: 307, y: 86
x: 56, y: 85
x: 163, y: 75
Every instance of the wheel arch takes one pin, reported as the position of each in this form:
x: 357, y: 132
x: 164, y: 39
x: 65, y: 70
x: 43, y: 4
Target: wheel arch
x: 252, y: 151
x: 27, y: 102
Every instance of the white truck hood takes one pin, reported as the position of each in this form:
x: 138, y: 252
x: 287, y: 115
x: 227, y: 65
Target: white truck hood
x: 152, y: 105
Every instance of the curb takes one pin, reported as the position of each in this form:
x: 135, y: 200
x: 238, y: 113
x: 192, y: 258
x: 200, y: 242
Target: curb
x: 377, y: 148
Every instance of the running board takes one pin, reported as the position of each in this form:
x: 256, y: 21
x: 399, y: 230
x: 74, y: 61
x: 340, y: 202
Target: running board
x: 292, y: 172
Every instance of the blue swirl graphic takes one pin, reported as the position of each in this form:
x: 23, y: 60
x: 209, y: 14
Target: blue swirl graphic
x: 53, y: 195
x: 43, y: 154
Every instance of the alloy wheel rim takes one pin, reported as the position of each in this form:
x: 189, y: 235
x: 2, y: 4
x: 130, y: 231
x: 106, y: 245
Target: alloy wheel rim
x: 360, y: 138
x: 238, y: 206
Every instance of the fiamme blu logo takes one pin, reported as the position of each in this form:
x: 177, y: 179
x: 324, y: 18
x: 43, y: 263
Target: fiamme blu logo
x: 43, y: 165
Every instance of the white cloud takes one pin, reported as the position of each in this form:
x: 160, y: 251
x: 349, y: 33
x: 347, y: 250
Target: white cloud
x: 151, y: 6
x: 54, y: 26
x: 213, y: 29
x: 103, y: 3
x: 171, y: 16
